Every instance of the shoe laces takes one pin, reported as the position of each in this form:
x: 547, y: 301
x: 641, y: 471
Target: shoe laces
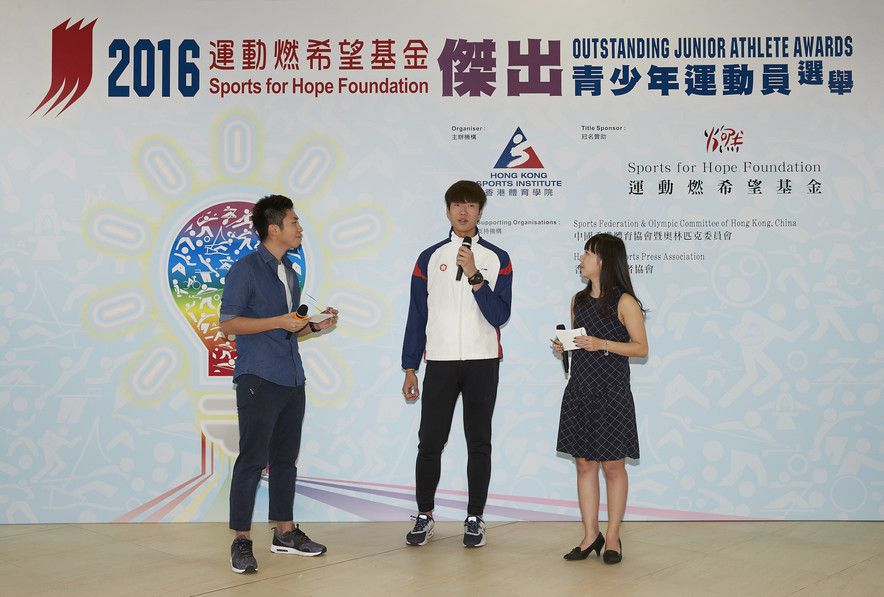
x: 297, y: 532
x: 420, y: 522
x: 473, y: 525
x: 244, y: 548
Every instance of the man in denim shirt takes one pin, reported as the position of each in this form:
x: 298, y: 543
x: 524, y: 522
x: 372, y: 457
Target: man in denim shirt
x: 261, y: 293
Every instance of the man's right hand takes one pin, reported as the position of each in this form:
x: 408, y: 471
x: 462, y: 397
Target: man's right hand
x: 290, y: 322
x: 409, y: 388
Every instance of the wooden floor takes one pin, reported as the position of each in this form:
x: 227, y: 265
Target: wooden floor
x: 521, y: 558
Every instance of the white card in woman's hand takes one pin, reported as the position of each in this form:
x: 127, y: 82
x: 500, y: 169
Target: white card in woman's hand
x: 566, y: 337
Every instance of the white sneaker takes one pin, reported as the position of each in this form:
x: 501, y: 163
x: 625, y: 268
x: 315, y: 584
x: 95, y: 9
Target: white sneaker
x: 422, y: 531
x: 473, y: 532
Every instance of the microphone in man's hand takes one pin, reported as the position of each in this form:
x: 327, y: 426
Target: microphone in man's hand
x: 467, y: 242
x: 561, y: 326
x: 300, y: 315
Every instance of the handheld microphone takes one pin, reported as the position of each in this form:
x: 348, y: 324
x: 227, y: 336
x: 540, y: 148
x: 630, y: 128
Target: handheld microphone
x: 561, y: 326
x: 467, y: 242
x: 300, y: 315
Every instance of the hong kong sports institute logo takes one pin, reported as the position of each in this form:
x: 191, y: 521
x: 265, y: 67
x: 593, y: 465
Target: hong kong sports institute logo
x: 71, y: 64
x: 520, y: 173
x: 518, y: 153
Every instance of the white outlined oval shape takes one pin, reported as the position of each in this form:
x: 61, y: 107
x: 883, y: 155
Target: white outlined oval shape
x: 154, y: 371
x: 327, y: 379
x: 165, y: 170
x: 117, y: 231
x: 309, y: 170
x: 354, y: 231
x: 237, y: 147
x: 359, y: 311
x: 118, y: 310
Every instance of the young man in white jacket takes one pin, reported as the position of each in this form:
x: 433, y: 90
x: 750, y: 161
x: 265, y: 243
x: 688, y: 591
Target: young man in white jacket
x: 461, y: 291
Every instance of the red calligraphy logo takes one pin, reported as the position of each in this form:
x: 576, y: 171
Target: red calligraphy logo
x: 723, y: 138
x: 71, y: 64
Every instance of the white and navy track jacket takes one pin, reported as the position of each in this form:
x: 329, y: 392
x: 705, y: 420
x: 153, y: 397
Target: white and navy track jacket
x: 447, y: 321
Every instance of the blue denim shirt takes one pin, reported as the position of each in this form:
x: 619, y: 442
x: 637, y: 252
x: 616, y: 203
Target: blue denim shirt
x: 253, y: 289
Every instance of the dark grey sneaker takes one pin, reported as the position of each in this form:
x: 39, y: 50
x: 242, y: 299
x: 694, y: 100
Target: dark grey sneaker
x: 422, y: 531
x: 242, y: 560
x: 473, y: 532
x: 296, y: 541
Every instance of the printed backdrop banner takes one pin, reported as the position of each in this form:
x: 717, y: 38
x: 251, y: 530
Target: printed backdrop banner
x: 737, y: 151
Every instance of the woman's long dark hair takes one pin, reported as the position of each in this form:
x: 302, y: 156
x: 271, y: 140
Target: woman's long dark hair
x: 615, y: 272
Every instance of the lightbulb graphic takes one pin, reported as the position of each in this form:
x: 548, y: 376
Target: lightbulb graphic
x: 199, y: 258
x: 203, y: 251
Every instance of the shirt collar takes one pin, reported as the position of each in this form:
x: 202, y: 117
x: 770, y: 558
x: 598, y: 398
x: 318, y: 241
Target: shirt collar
x: 268, y: 257
x: 455, y: 237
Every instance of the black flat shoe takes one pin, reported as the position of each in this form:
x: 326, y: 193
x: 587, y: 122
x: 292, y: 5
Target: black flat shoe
x: 582, y: 554
x: 613, y: 557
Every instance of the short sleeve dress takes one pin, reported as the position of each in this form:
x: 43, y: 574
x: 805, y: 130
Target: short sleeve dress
x: 597, y: 420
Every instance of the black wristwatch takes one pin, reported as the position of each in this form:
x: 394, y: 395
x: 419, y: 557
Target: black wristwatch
x: 476, y: 278
x: 313, y: 327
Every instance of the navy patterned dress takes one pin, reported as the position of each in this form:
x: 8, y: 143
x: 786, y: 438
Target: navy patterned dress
x: 597, y: 421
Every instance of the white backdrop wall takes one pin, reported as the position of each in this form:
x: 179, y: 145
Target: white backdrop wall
x: 743, y: 170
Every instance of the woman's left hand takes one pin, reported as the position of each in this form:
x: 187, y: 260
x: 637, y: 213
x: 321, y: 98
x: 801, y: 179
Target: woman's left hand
x: 590, y: 343
x: 330, y: 321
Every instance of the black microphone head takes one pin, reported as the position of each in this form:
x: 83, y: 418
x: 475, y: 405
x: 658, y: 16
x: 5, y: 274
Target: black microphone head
x: 561, y: 326
x: 301, y: 312
x: 467, y: 242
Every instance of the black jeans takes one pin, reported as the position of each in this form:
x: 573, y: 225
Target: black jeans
x: 476, y: 381
x: 270, y: 420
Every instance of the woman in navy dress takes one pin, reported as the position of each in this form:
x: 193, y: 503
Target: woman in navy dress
x: 597, y: 422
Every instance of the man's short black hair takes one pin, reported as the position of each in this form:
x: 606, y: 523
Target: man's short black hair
x: 465, y: 191
x: 270, y: 210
